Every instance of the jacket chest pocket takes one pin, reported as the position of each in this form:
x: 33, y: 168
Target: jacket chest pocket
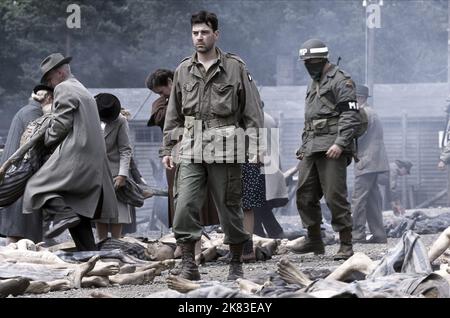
x: 222, y: 100
x: 326, y: 101
x: 190, y: 98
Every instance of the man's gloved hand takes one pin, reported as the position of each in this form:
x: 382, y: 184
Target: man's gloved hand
x: 441, y: 165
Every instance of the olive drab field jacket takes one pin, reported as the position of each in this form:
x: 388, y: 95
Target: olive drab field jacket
x: 207, y: 109
x: 331, y: 114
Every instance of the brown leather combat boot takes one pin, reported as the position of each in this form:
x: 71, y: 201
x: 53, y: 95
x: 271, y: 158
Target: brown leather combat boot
x: 346, y: 248
x: 312, y: 244
x: 236, y: 270
x: 189, y: 269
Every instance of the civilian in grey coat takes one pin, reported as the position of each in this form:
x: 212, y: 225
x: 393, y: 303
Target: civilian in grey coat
x: 119, y: 152
x: 373, y: 162
x: 13, y: 223
x: 75, y: 184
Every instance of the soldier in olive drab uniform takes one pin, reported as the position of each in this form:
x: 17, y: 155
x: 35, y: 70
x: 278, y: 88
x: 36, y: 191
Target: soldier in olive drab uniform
x: 212, y: 94
x: 331, y: 121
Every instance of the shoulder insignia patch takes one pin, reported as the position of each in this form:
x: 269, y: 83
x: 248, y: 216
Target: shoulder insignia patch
x: 250, y: 78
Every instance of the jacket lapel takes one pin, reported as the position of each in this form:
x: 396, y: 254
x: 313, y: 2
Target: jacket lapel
x: 109, y: 128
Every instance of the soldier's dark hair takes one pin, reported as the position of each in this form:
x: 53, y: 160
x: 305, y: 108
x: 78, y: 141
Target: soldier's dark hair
x: 158, y: 78
x: 206, y: 17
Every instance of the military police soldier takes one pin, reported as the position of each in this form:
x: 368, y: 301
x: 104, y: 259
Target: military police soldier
x: 212, y: 93
x: 331, y: 122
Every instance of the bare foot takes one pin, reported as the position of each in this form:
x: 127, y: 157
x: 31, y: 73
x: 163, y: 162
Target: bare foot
x: 60, y: 284
x: 293, y: 244
x: 248, y: 287
x: 25, y: 244
x: 82, y: 269
x: 97, y: 294
x: 127, y: 269
x: 137, y: 278
x: 290, y: 274
x: 181, y: 285
x: 158, y: 266
x: 358, y: 262
x: 94, y: 281
x: 38, y: 287
x: 104, y: 269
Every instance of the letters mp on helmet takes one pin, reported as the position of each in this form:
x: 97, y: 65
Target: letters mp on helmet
x: 313, y: 49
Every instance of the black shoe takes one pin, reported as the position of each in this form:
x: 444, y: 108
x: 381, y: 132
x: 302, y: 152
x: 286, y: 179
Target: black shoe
x: 61, y: 225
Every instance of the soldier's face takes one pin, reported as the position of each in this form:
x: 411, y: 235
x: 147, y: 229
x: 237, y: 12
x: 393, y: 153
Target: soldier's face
x: 203, y: 37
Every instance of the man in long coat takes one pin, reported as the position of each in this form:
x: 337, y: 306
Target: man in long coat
x: 372, y: 164
x: 75, y: 184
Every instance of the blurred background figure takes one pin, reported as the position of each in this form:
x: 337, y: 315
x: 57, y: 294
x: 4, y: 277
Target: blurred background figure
x: 367, y: 203
x: 391, y: 182
x: 119, y: 152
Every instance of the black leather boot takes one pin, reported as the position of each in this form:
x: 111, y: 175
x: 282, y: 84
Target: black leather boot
x: 346, y: 248
x: 312, y: 244
x: 189, y: 269
x: 236, y: 270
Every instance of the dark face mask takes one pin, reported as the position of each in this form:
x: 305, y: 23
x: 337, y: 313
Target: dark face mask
x: 315, y: 69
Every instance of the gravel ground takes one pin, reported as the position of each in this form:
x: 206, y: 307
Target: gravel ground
x: 218, y: 271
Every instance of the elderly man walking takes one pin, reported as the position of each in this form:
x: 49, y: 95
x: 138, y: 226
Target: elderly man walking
x: 75, y: 184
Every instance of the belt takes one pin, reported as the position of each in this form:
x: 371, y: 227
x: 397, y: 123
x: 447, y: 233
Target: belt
x: 218, y: 122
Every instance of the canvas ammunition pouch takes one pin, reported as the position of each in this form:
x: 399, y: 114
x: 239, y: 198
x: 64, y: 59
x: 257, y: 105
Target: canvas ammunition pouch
x: 323, y: 126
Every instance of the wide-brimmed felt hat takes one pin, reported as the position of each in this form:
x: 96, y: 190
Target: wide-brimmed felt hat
x: 42, y: 87
x: 51, y: 62
x: 108, y: 106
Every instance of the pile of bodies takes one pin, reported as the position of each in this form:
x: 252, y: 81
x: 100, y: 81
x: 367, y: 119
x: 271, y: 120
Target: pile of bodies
x: 29, y: 268
x: 406, y: 271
